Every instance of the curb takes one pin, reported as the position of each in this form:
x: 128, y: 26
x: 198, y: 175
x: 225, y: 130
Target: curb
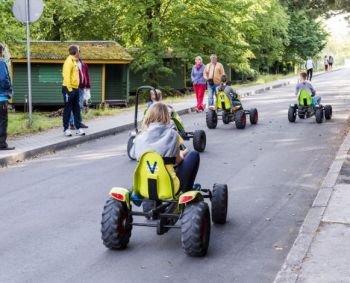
x: 32, y: 153
x: 292, y: 265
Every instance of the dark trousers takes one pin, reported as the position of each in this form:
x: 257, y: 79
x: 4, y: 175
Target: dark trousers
x: 71, y: 104
x: 3, y: 123
x: 309, y: 74
x: 187, y: 171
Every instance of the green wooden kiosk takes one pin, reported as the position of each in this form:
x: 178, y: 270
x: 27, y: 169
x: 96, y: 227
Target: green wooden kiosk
x: 108, y: 64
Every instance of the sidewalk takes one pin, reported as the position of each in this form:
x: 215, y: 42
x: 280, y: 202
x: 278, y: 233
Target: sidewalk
x: 52, y: 140
x: 321, y: 252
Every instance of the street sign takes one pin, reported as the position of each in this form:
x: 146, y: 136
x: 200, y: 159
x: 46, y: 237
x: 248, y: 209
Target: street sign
x: 27, y: 12
x: 36, y: 8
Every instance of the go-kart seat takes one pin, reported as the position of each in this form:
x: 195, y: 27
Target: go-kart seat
x: 223, y: 101
x: 152, y: 179
x: 304, y: 98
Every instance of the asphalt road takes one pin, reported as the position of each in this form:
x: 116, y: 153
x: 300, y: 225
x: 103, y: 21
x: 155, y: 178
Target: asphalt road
x: 50, y: 207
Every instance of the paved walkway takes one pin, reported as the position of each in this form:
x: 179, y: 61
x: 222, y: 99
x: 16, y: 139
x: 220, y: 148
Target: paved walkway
x: 51, y: 140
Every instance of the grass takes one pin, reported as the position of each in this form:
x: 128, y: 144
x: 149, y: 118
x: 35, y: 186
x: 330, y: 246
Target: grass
x: 264, y: 79
x: 18, y: 122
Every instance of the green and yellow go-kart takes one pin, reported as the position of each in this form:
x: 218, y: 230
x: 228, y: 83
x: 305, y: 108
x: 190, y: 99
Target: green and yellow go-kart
x: 198, y: 137
x: 152, y: 181
x: 307, y: 107
x: 229, y: 113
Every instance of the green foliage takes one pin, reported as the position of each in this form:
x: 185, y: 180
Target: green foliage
x: 307, y: 37
x: 248, y: 35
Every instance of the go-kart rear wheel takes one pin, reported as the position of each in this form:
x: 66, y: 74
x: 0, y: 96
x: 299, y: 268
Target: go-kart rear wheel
x: 129, y: 146
x: 199, y: 140
x: 225, y: 117
x: 253, y: 116
x: 195, y: 229
x: 319, y: 115
x: 240, y: 119
x: 292, y: 115
x: 116, y: 225
x: 212, y: 119
x: 219, y: 202
x: 328, y: 112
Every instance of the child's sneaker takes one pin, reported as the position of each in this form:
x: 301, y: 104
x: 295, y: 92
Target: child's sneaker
x: 80, y: 132
x: 68, y: 133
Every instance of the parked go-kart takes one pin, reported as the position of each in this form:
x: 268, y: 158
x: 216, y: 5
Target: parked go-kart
x: 198, y: 136
x: 153, y: 182
x: 229, y: 113
x: 307, y: 107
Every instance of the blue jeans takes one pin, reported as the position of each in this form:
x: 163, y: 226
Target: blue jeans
x: 211, y: 93
x: 71, y: 104
x: 81, y: 105
x: 187, y: 171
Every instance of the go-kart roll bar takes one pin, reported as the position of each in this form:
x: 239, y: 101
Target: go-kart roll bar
x: 138, y: 91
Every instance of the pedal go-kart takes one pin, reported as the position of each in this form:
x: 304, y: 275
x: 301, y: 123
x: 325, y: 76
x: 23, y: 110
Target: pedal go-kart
x: 198, y: 136
x: 307, y: 107
x: 153, y: 182
x: 229, y: 113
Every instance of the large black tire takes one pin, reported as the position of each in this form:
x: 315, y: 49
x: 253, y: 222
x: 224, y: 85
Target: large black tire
x: 225, y: 117
x: 199, y: 140
x: 328, y: 111
x: 292, y: 115
x: 219, y: 202
x: 240, y: 119
x: 129, y: 146
x: 195, y: 229
x: 212, y: 119
x: 116, y: 225
x: 319, y: 115
x: 253, y: 116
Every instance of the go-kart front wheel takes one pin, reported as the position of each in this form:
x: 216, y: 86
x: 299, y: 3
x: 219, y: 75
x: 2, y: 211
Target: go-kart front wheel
x: 129, y: 146
x: 199, y: 140
x: 225, y: 117
x: 253, y: 116
x: 219, y: 202
x: 292, y: 114
x: 240, y: 119
x: 211, y: 119
x: 328, y: 112
x: 319, y: 115
x: 195, y: 229
x: 116, y: 225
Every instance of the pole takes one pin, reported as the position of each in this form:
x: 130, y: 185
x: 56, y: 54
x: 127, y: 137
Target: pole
x: 28, y: 64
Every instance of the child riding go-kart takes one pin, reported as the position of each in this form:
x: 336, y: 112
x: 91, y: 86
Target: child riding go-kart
x: 198, y: 136
x: 229, y: 108
x: 166, y: 176
x: 308, y: 104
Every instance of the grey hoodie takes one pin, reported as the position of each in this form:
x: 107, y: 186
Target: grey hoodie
x: 157, y: 137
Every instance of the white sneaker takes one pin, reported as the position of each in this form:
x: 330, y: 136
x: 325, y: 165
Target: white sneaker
x: 80, y: 132
x: 68, y: 133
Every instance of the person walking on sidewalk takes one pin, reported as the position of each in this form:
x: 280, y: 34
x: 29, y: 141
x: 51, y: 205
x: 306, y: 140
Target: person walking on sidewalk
x: 309, y: 66
x: 5, y: 94
x: 199, y: 84
x: 84, y: 86
x: 330, y: 62
x: 212, y: 74
x: 325, y: 61
x: 70, y: 91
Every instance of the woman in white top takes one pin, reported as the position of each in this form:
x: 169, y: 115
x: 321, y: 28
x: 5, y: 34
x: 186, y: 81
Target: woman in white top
x: 309, y: 65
